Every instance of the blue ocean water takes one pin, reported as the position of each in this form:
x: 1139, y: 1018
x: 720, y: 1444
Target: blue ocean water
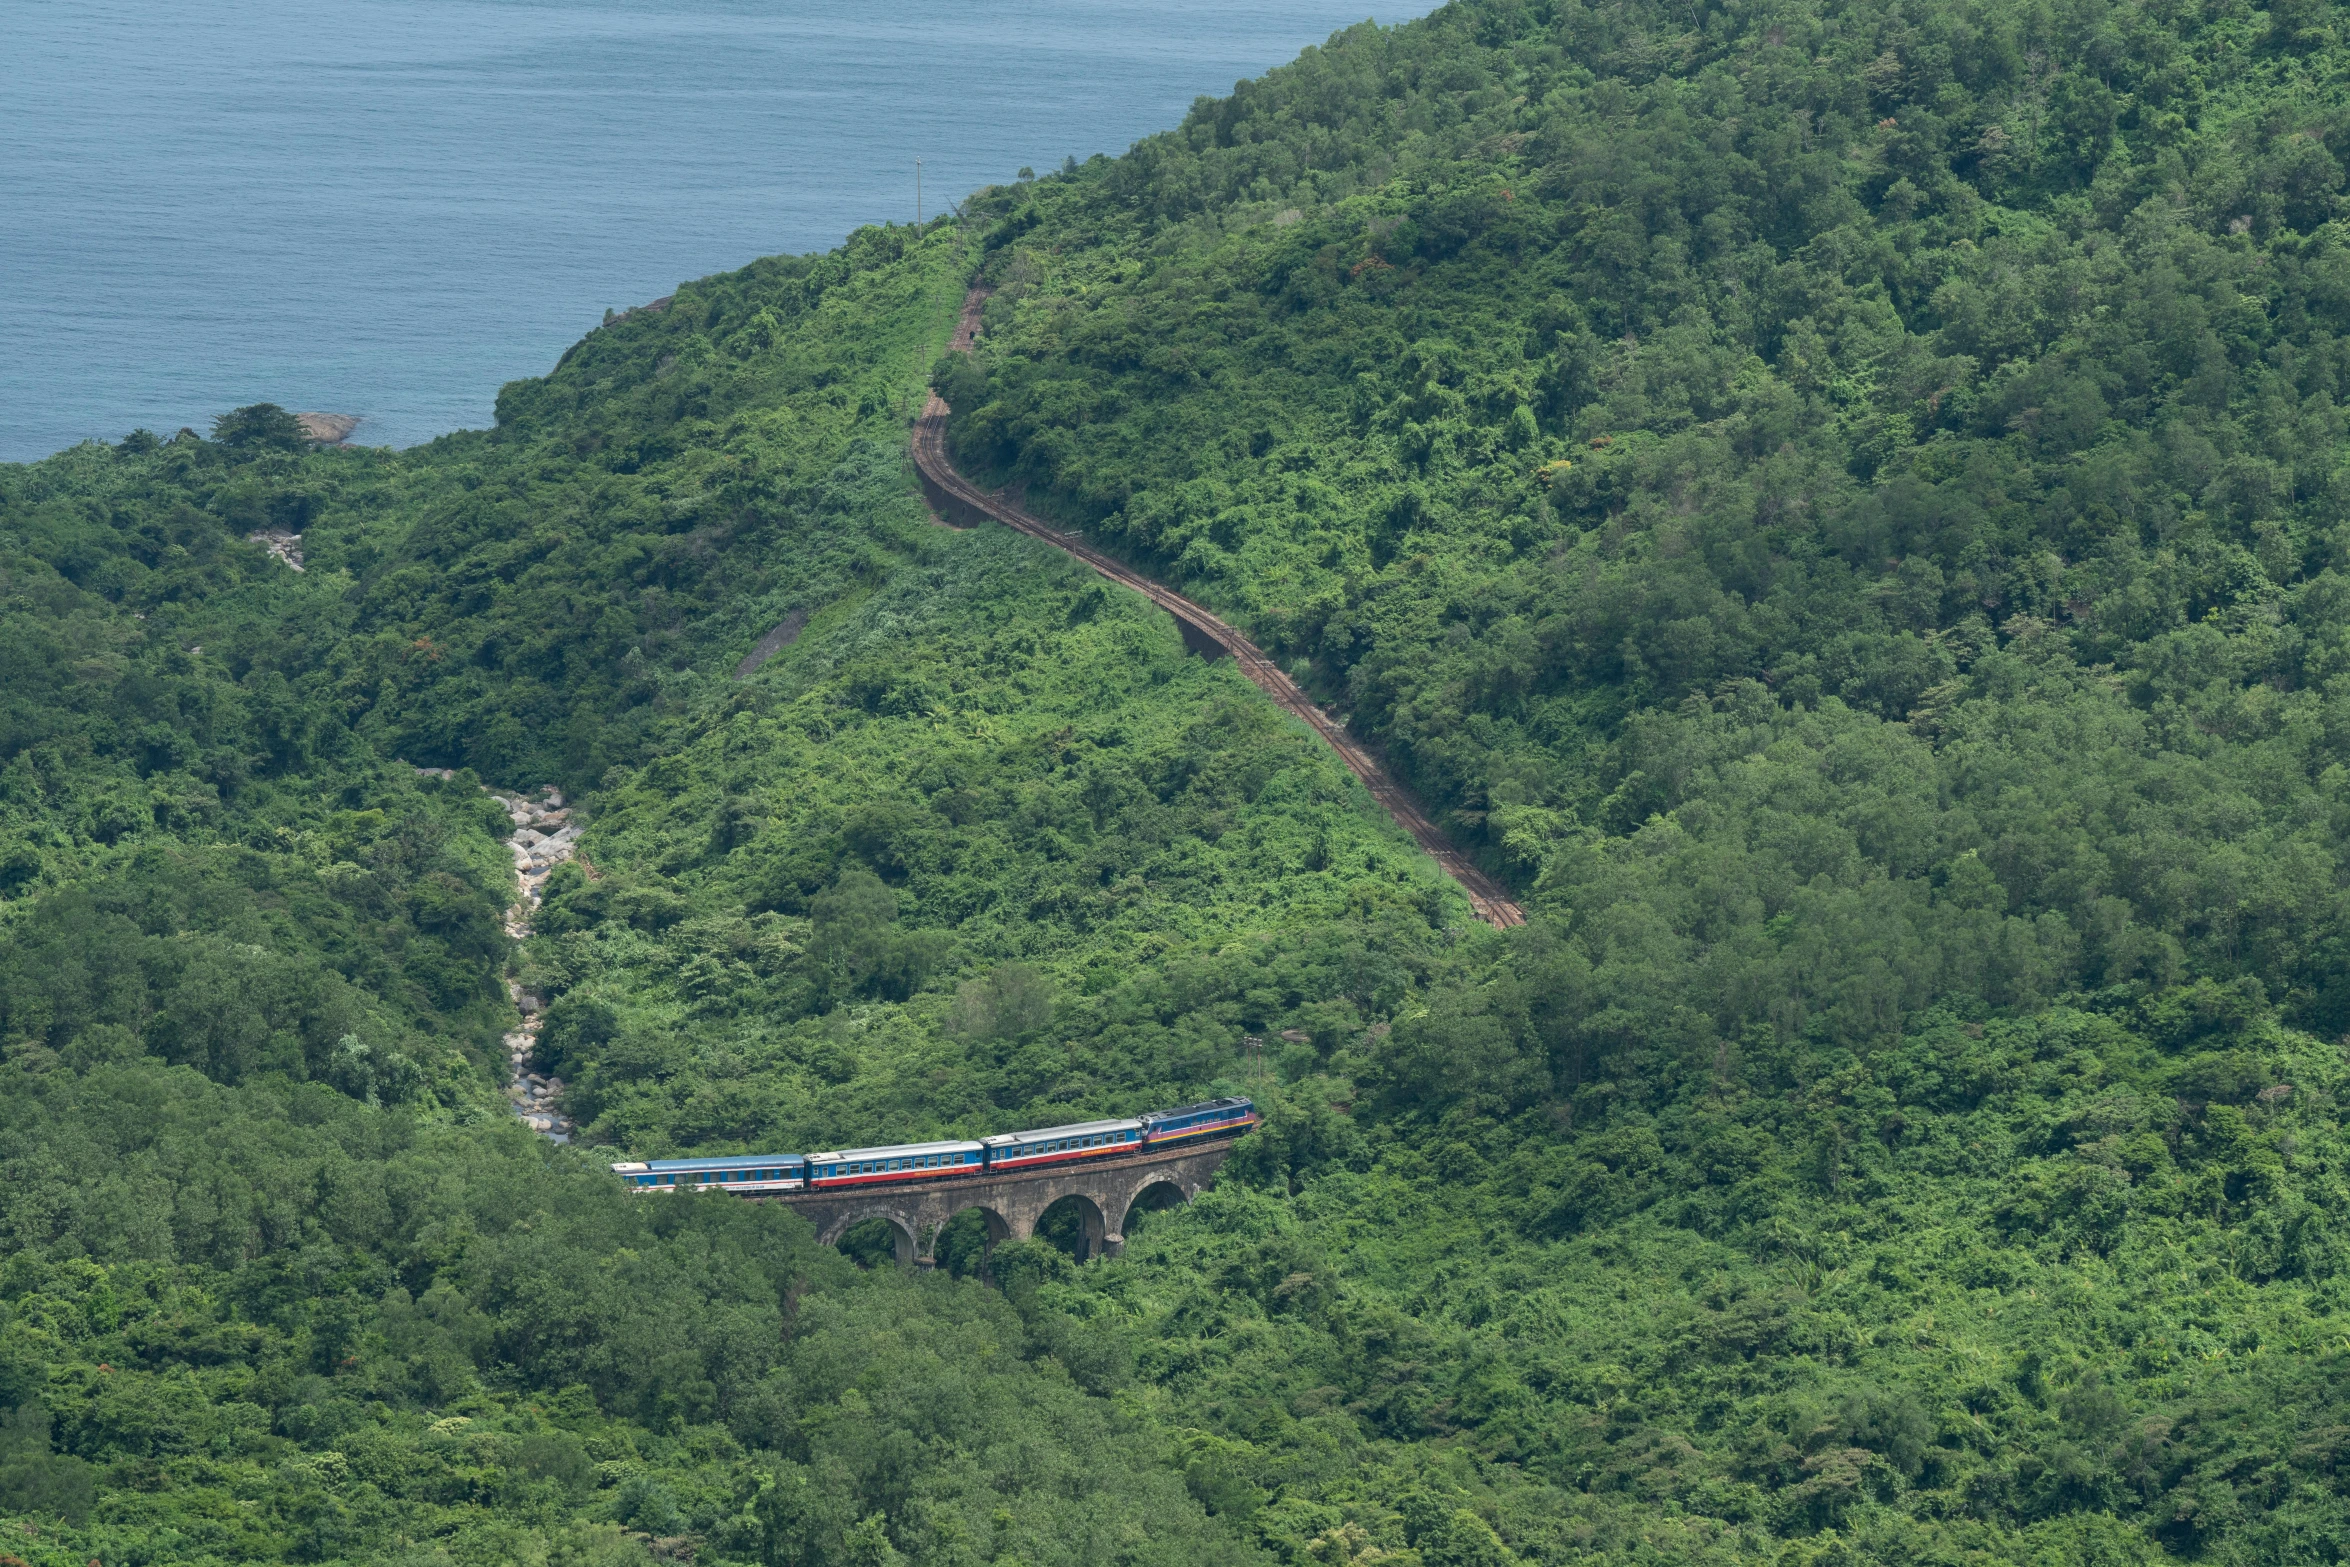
x: 391, y: 207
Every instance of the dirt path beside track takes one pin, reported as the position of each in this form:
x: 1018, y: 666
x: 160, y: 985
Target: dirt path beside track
x: 958, y: 500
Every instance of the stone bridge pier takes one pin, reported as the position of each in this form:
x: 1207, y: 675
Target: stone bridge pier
x: 1012, y: 1204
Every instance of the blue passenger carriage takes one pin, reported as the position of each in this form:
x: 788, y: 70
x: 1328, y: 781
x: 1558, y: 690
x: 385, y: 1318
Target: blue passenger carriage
x: 1086, y: 1140
x: 747, y: 1174
x: 895, y: 1166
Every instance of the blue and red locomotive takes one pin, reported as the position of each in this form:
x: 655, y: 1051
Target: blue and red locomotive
x: 1006, y: 1153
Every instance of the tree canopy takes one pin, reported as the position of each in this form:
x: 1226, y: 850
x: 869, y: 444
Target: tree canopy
x: 1841, y: 508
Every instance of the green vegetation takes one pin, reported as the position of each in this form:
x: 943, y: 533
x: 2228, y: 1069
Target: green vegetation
x: 1843, y: 508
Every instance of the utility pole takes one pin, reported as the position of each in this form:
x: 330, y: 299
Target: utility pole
x: 917, y: 193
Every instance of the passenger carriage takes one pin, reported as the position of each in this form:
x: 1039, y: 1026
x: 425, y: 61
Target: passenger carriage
x: 748, y: 1174
x: 895, y: 1166
x: 1055, y: 1145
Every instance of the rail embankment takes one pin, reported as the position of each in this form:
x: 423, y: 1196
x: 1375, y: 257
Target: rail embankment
x: 958, y: 500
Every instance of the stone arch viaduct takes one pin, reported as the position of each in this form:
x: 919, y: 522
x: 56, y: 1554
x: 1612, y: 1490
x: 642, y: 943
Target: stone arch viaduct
x: 1012, y: 1204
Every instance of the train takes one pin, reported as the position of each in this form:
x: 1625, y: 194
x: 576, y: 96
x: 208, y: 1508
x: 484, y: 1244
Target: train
x: 1049, y: 1147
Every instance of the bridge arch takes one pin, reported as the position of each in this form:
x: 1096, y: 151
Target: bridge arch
x: 1158, y: 1190
x: 966, y: 1238
x: 1075, y: 1221
x: 903, y: 1235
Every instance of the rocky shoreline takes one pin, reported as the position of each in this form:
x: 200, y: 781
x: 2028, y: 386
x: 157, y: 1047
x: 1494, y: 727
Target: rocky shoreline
x: 328, y: 429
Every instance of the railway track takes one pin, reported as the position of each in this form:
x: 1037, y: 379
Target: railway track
x: 953, y: 495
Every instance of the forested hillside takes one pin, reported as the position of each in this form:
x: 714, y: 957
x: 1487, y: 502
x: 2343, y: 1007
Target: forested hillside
x: 1843, y: 508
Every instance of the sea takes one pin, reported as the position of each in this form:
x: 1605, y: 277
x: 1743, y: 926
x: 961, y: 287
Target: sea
x: 389, y: 208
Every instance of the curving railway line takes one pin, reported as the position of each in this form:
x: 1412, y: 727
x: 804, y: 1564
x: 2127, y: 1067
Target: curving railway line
x: 954, y: 496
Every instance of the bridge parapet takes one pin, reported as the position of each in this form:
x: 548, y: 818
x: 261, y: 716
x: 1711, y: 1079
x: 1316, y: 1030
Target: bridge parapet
x: 1012, y: 1204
